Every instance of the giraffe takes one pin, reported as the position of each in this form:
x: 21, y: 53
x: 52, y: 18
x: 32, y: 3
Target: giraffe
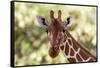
x: 61, y: 40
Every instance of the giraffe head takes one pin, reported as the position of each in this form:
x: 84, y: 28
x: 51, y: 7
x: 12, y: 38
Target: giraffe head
x: 55, y: 28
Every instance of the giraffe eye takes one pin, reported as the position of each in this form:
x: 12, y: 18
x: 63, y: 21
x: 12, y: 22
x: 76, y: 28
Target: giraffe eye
x: 47, y: 31
x: 63, y: 30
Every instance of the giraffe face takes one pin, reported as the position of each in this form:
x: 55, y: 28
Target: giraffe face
x: 55, y: 30
x: 55, y: 36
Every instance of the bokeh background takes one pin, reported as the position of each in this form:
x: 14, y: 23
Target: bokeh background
x: 31, y: 42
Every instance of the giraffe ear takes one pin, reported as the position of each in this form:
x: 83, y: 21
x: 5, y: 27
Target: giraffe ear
x: 42, y: 21
x: 68, y: 22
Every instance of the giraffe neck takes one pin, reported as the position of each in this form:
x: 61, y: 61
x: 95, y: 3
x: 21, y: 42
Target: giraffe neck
x: 73, y: 51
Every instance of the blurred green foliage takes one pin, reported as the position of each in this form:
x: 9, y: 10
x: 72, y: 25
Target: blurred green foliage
x: 31, y: 41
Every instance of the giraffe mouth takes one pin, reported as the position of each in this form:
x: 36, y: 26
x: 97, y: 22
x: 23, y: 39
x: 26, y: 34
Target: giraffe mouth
x: 54, y: 51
